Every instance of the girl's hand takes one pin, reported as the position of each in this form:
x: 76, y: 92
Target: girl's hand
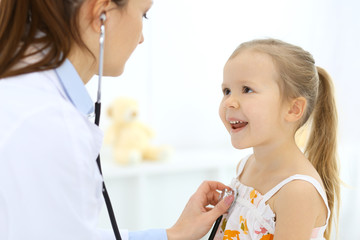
x: 196, y: 218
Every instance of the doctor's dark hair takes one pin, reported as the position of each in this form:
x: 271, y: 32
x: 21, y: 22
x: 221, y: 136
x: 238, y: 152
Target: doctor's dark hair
x: 20, y: 23
x: 299, y: 77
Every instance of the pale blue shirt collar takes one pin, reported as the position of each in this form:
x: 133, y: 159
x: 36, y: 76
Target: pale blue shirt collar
x: 75, y: 88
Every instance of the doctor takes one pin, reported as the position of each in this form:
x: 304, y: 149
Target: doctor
x: 50, y: 186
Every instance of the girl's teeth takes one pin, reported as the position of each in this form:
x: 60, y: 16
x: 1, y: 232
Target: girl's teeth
x: 236, y: 122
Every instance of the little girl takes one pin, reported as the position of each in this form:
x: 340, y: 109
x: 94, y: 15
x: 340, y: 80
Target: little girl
x: 271, y: 89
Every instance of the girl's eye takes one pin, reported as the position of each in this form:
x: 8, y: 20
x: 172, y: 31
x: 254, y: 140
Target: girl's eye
x: 226, y: 91
x: 145, y: 16
x: 247, y: 90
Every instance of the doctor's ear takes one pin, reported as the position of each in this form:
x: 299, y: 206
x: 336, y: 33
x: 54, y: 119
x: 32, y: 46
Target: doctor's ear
x: 296, y: 109
x: 98, y: 13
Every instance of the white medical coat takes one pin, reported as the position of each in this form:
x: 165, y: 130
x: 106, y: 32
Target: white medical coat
x: 50, y: 186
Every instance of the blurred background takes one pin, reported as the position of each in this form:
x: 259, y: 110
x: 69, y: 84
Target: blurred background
x: 176, y: 76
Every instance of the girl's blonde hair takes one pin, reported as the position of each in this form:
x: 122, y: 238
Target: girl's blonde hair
x: 300, y: 77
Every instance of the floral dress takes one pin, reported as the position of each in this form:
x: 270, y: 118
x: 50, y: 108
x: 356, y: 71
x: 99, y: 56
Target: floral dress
x: 250, y: 218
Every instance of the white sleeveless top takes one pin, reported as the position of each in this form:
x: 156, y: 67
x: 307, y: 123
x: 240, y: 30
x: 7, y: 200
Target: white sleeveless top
x: 250, y: 218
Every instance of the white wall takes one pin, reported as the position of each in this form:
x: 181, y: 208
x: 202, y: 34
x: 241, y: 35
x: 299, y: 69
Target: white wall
x: 177, y: 72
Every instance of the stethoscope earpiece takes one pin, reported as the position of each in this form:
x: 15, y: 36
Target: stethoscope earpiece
x: 103, y: 17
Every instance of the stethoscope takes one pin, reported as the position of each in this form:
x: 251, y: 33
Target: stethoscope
x: 110, y: 210
x: 97, y: 121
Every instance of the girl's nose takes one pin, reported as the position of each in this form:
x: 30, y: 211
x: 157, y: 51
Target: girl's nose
x: 232, y: 102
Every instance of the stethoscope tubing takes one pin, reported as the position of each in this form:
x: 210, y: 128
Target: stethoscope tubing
x: 215, y: 228
x: 97, y: 122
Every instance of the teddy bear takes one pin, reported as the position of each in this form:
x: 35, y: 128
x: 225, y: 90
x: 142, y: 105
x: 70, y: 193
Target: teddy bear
x: 130, y: 139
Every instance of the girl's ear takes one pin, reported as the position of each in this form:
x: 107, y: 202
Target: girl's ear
x: 296, y: 109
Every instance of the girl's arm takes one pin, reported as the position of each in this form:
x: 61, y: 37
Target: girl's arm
x: 298, y: 208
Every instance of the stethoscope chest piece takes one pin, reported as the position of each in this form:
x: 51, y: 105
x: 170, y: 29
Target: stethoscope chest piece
x: 227, y: 193
x: 223, y: 195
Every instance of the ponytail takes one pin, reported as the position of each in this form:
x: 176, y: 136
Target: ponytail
x: 321, y: 148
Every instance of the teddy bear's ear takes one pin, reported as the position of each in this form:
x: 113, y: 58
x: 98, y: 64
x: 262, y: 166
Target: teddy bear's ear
x: 109, y: 111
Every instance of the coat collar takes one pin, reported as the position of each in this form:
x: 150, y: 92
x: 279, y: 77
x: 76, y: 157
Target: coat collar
x: 75, y: 88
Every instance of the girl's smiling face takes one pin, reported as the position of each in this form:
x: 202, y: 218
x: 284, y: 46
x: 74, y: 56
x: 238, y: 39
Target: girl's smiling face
x: 252, y: 109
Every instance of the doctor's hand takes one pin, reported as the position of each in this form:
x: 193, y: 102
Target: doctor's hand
x: 196, y: 218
